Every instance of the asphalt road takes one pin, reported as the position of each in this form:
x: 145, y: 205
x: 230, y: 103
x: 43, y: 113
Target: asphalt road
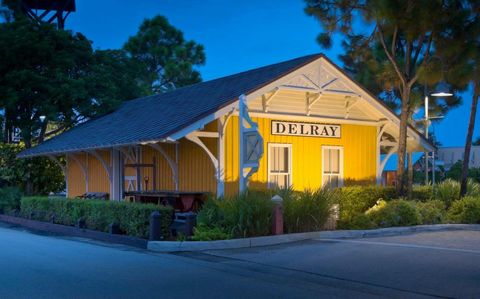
x: 426, y: 265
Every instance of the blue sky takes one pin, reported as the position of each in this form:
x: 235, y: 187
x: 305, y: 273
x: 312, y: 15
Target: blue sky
x: 237, y: 35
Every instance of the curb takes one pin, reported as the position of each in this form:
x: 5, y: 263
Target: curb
x: 176, y: 246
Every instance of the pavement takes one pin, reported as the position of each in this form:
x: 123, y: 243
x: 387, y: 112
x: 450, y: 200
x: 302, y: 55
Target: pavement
x: 420, y: 265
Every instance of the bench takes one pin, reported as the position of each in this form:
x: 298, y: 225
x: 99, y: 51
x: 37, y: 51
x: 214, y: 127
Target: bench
x: 95, y: 195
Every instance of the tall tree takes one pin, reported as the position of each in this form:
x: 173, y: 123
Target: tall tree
x: 476, y: 142
x: 167, y: 59
x: 407, y: 31
x: 475, y: 82
x: 50, y: 76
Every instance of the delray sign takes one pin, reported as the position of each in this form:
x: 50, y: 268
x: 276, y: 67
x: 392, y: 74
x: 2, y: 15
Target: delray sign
x: 305, y: 129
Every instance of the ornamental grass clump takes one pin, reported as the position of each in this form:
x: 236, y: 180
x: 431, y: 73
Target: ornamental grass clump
x: 465, y: 210
x: 248, y: 214
x: 307, y: 211
x: 449, y: 190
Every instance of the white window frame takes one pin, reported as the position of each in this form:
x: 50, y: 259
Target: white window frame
x: 340, y: 175
x: 290, y: 172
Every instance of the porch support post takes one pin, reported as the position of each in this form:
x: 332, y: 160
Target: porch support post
x: 378, y: 157
x: 222, y: 126
x: 115, y: 182
x: 385, y: 160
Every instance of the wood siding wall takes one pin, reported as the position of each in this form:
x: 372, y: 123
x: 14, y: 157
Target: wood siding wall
x: 97, y: 176
x: 197, y: 173
x: 358, y: 142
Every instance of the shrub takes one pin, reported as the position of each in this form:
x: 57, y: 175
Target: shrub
x: 307, y: 211
x: 465, y: 210
x: 248, y: 214
x: 360, y: 221
x: 432, y: 211
x: 205, y: 233
x: 37, y: 175
x: 356, y: 200
x: 9, y: 199
x: 211, y: 215
x: 132, y: 218
x: 394, y: 213
x: 422, y: 193
x: 449, y: 190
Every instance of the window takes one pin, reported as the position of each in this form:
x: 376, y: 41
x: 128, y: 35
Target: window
x: 279, y: 165
x: 332, y: 173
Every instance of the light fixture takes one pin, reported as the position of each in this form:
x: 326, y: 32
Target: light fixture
x: 442, y: 90
x: 42, y: 118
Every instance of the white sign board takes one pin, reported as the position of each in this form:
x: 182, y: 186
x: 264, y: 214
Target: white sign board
x: 305, y: 129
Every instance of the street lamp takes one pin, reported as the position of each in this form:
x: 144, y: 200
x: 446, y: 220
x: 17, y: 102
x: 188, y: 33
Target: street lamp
x: 441, y: 91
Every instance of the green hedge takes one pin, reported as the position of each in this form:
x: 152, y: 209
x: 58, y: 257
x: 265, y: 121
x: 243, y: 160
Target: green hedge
x: 9, y: 199
x: 133, y: 219
x: 465, y: 210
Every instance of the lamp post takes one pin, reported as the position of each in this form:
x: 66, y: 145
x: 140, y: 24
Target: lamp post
x: 441, y: 92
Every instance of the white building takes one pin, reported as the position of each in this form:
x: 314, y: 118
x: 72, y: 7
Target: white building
x: 450, y: 155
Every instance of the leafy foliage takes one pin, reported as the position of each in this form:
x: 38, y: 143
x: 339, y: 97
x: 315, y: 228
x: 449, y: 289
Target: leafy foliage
x: 465, y: 210
x: 206, y: 233
x: 132, y: 218
x: 432, y: 211
x: 45, y: 176
x: 394, y: 213
x: 449, y: 190
x: 167, y: 60
x: 308, y: 211
x: 356, y: 200
x: 248, y: 214
x: 455, y: 172
x: 56, y: 74
x: 402, y: 46
x: 9, y: 199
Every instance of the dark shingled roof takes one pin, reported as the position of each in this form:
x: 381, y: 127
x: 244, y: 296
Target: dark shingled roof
x: 159, y: 116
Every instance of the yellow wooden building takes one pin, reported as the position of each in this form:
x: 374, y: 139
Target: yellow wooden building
x: 318, y: 127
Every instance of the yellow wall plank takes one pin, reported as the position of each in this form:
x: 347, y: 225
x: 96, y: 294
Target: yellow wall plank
x: 358, y: 142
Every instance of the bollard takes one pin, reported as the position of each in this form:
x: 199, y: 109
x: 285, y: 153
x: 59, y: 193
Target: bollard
x: 81, y: 223
x: 277, y: 215
x: 114, y: 228
x: 155, y: 226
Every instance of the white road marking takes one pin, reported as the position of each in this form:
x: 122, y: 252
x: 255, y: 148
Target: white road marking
x: 401, y: 245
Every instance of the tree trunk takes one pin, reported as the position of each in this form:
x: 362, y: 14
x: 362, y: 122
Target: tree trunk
x: 468, y: 142
x: 43, y: 129
x: 402, y: 145
x: 410, y: 176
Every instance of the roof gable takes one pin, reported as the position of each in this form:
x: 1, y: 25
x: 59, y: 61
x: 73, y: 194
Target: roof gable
x: 171, y: 115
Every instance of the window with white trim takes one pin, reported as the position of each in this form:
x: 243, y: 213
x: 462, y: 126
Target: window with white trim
x: 332, y: 167
x: 279, y: 165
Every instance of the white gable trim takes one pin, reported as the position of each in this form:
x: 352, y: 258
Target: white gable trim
x: 282, y: 83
